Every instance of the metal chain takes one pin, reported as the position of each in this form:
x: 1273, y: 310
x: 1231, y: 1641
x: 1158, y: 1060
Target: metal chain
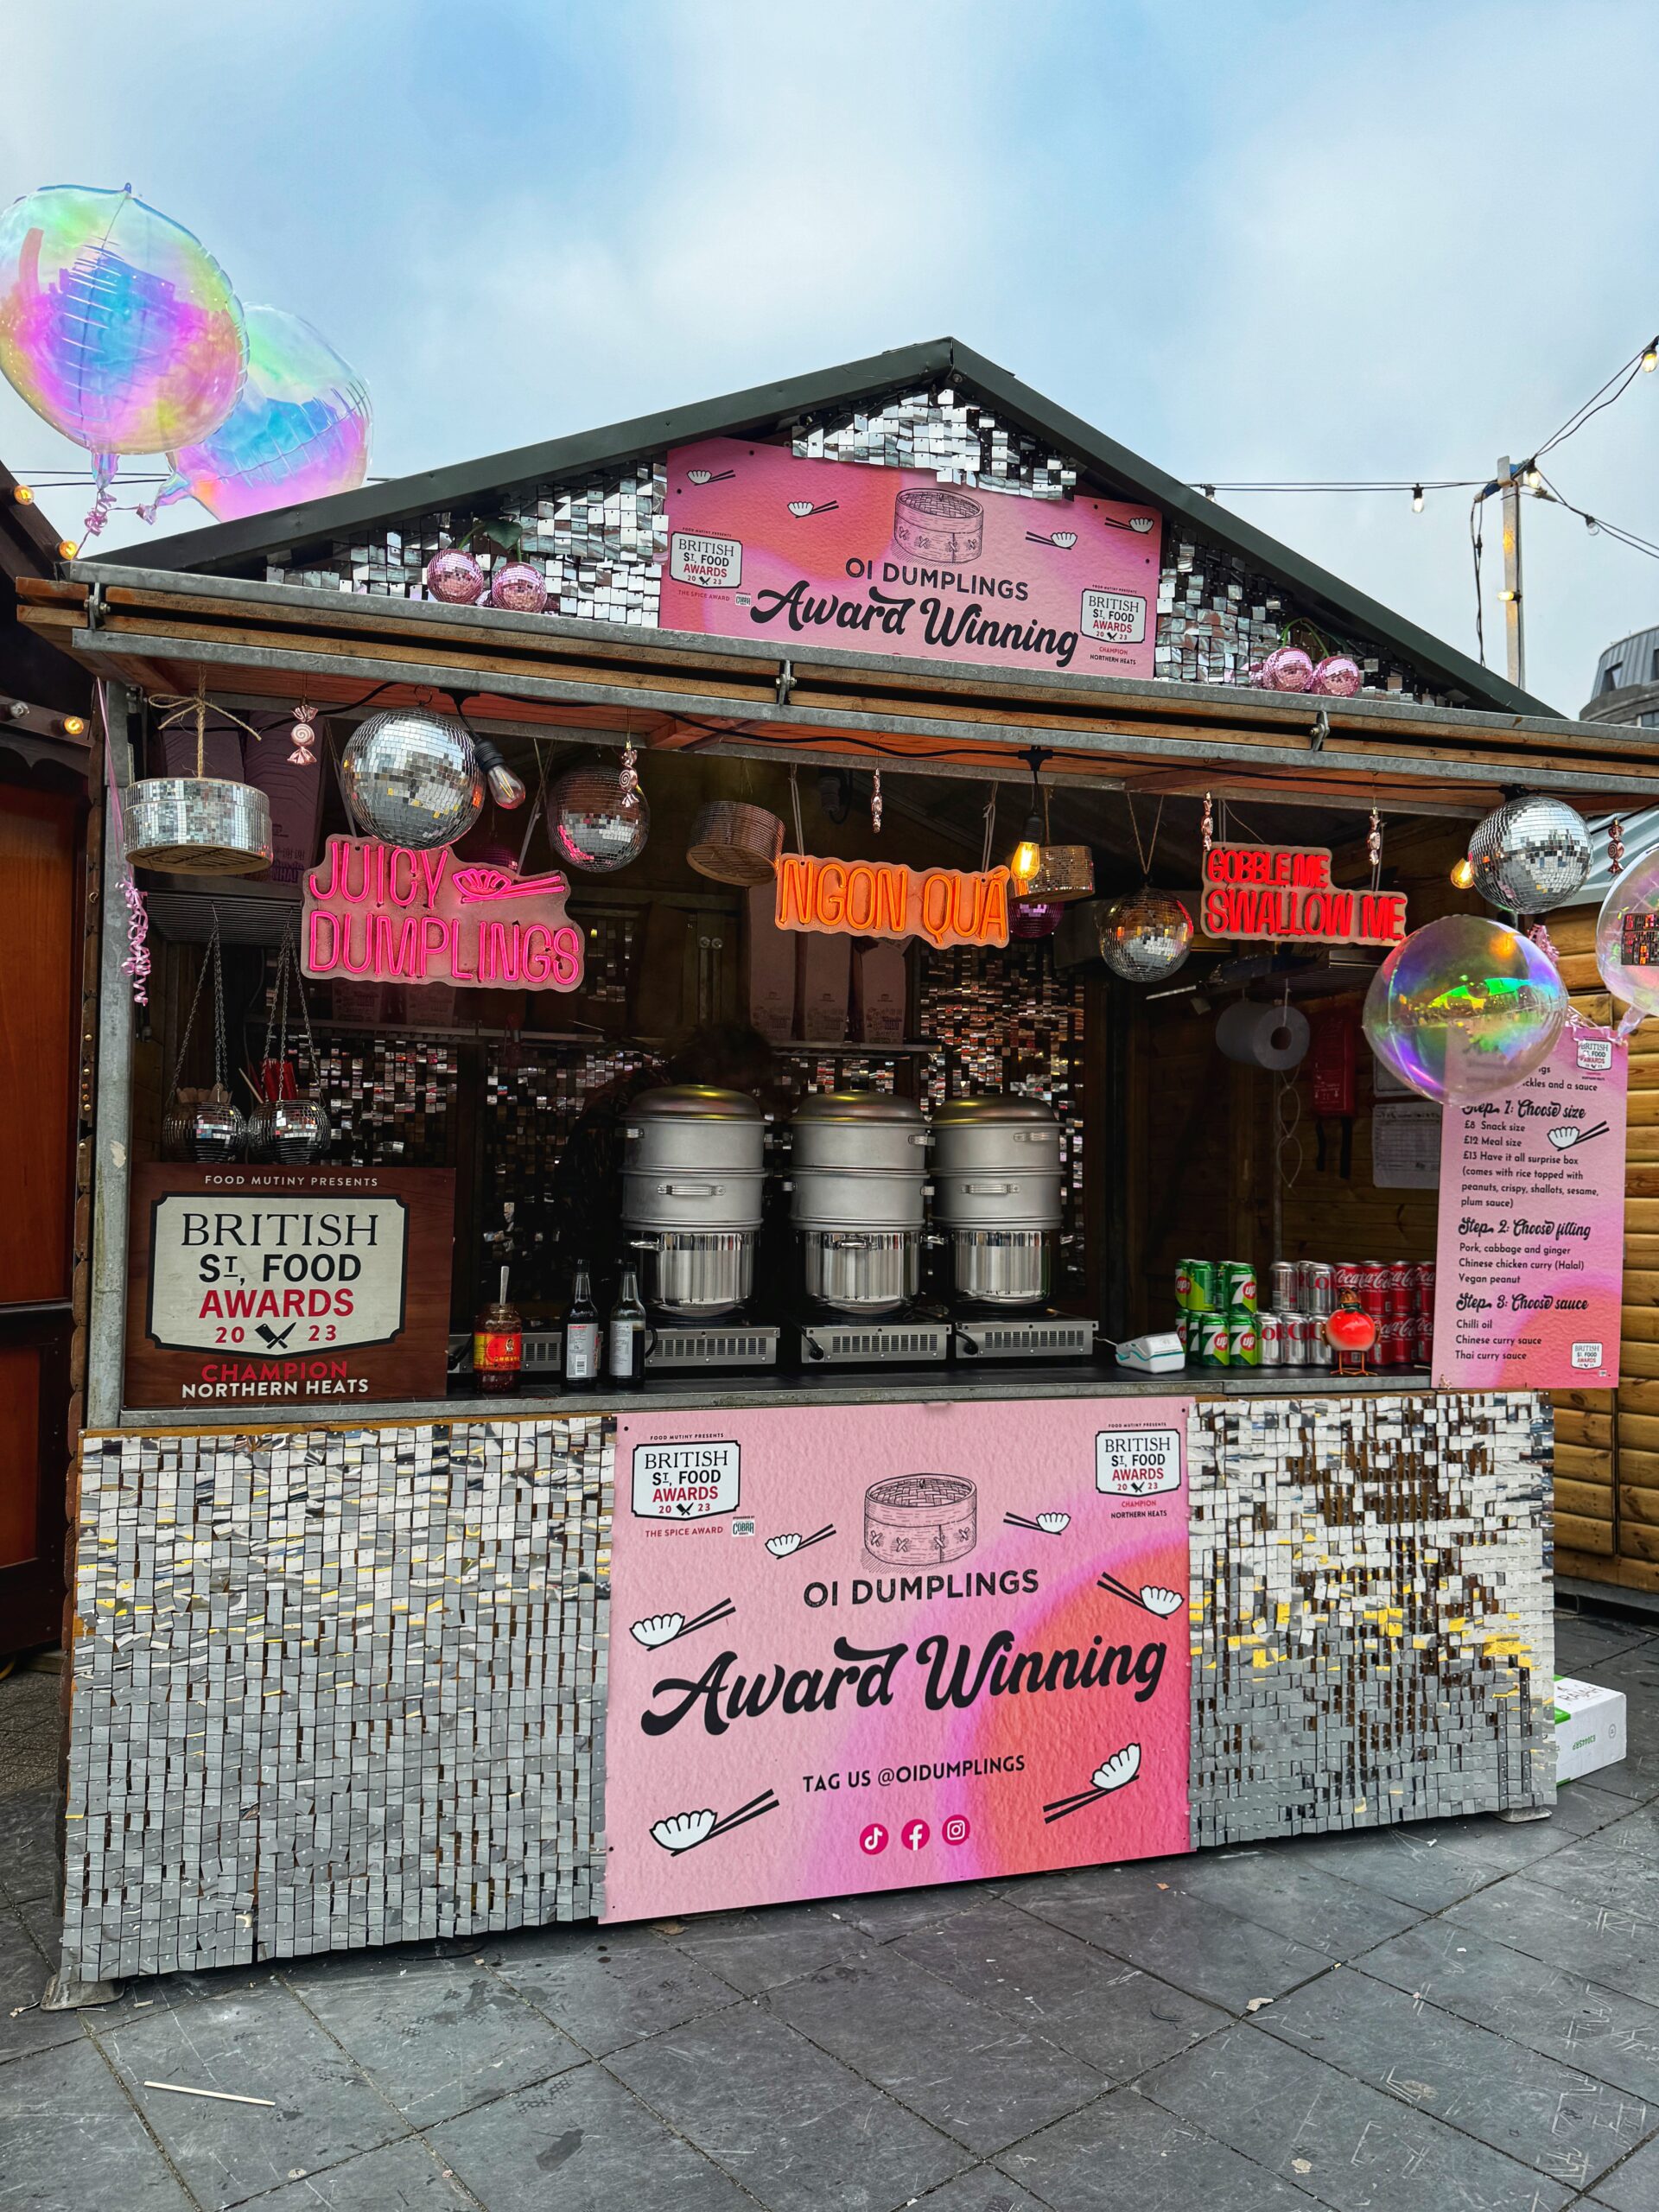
x: 219, y: 1007
x: 190, y: 1018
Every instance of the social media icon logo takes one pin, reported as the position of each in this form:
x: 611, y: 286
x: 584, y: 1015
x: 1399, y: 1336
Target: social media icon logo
x: 915, y: 1834
x: 873, y: 1839
x: 954, y: 1829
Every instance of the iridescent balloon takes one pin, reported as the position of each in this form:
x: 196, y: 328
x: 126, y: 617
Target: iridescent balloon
x: 300, y: 430
x: 1627, y: 935
x: 116, y: 324
x: 1144, y: 936
x: 1465, y: 1009
x: 592, y: 824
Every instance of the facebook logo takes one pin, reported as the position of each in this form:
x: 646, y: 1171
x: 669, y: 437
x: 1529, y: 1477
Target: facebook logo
x: 915, y: 1835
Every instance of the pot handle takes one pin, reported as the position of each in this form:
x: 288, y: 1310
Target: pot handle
x: 693, y: 1189
x: 989, y: 1190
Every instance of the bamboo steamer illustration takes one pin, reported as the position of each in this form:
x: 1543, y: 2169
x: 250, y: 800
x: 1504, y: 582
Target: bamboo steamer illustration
x: 916, y: 1519
x: 938, y: 525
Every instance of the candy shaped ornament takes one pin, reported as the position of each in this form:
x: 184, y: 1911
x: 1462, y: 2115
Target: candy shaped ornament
x: 1627, y: 935
x: 299, y: 431
x: 116, y: 326
x: 1464, y: 1009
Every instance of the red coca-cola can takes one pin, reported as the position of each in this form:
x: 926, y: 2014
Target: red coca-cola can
x: 1344, y: 1275
x: 1401, y: 1275
x: 1394, y: 1342
x: 1399, y: 1299
x: 1373, y: 1300
x: 1373, y: 1275
x: 1422, y: 1342
x: 1422, y: 1276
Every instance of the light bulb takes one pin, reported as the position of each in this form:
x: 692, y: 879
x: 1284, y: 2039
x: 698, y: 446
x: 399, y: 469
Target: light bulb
x: 1531, y: 477
x: 67, y: 549
x: 1028, y: 859
x: 72, y: 725
x: 24, y: 496
x: 1416, y: 499
x: 1650, y: 355
x: 1506, y: 593
x: 1463, y: 874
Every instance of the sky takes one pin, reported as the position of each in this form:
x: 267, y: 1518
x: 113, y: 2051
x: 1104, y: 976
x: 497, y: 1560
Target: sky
x: 1250, y: 239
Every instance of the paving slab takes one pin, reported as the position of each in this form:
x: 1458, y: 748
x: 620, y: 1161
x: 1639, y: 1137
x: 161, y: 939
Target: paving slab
x: 1617, y: 1949
x: 404, y: 2177
x: 981, y: 2189
x: 1354, y: 2147
x: 802, y: 2132
x: 610, y: 1986
x: 29, y: 1851
x: 581, y: 2143
x: 754, y: 1951
x: 1126, y: 2154
x: 23, y: 1973
x: 962, y: 2064
x: 1633, y: 2187
x: 1309, y: 1903
x: 70, y: 2140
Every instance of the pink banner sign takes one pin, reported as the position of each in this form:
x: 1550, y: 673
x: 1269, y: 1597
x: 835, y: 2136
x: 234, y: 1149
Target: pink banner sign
x: 388, y: 914
x: 891, y: 561
x: 872, y: 1648
x: 1530, y: 1273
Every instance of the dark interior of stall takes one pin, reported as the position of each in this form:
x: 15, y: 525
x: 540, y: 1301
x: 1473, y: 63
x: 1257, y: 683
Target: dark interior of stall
x: 1169, y: 1147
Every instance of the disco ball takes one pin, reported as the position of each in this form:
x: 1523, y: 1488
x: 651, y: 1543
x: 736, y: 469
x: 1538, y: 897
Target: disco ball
x: 412, y: 778
x: 1530, y: 855
x: 455, y: 577
x: 1144, y: 936
x: 519, y: 587
x: 298, y: 1130
x: 1033, y: 918
x: 1465, y: 1009
x: 594, y: 825
x: 214, y: 1131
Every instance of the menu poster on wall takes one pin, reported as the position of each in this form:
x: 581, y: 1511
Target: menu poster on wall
x: 764, y: 544
x: 287, y: 1286
x: 871, y: 1648
x: 1531, y: 1249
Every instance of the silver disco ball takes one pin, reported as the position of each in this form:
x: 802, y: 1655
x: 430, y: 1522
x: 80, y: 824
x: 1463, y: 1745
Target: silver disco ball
x: 1529, y: 854
x: 298, y: 1130
x: 594, y: 825
x: 1145, y: 936
x: 412, y: 778
x: 215, y: 1131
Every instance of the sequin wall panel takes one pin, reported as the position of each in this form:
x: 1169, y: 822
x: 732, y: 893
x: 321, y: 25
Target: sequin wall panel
x: 334, y: 1689
x: 390, y: 1100
x: 1371, y: 1607
x: 1007, y: 1021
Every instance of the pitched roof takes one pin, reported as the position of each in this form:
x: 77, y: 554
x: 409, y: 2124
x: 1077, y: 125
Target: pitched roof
x: 1111, y: 467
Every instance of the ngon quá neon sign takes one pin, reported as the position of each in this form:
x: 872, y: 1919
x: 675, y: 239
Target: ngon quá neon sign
x: 875, y: 899
x: 388, y: 914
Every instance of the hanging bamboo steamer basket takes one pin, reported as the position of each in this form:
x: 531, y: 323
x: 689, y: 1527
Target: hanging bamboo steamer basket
x: 198, y: 825
x: 734, y: 844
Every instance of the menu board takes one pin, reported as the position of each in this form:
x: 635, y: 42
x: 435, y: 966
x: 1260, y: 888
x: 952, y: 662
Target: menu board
x: 1530, y: 1264
x: 287, y: 1286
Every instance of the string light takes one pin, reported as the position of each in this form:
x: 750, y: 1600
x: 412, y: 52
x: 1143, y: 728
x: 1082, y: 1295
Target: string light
x: 1650, y: 355
x: 67, y: 549
x: 1463, y: 874
x: 1416, y: 499
x: 24, y: 496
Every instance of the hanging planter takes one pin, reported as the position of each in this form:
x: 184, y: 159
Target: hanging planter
x: 205, y: 1125
x: 284, y: 1125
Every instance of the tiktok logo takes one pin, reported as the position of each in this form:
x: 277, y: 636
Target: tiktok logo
x: 915, y: 1835
x: 872, y: 1839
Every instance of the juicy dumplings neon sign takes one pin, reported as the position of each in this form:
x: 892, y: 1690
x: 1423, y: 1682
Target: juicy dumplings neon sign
x: 386, y: 913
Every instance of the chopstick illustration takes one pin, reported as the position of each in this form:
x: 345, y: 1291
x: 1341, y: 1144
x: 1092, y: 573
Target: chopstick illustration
x: 702, y: 476
x: 685, y: 1831
x: 801, y: 509
x: 1045, y: 1524
x: 783, y: 1546
x: 1583, y: 1136
x: 658, y: 1629
x: 1151, y: 1597
x: 1121, y: 1768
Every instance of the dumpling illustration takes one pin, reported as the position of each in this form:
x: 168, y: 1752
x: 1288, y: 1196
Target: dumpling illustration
x: 1051, y: 1523
x: 660, y: 1628
x: 780, y: 1546
x: 1157, y: 1600
x: 680, y: 1831
x: 1121, y: 1767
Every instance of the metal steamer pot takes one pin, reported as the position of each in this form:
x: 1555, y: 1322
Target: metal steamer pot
x: 858, y: 1197
x: 693, y: 1175
x: 996, y: 1201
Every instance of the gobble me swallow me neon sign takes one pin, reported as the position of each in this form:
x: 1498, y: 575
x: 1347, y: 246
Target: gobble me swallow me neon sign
x: 384, y: 914
x: 874, y: 899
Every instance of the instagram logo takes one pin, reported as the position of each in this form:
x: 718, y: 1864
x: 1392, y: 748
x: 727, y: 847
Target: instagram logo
x: 872, y: 1839
x: 915, y: 1835
x: 954, y: 1828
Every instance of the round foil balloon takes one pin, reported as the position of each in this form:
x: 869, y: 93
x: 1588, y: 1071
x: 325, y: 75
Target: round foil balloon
x: 412, y: 778
x: 594, y: 825
x: 1029, y: 919
x: 1529, y: 854
x: 1465, y: 1009
x: 1145, y: 936
x: 116, y: 324
x: 1627, y: 935
x: 299, y: 431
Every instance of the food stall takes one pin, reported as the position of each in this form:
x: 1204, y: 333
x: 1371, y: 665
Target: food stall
x: 760, y: 1235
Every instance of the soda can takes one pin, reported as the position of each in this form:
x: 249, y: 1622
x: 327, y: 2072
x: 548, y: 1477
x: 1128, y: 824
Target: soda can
x: 1243, y: 1344
x: 1292, y: 1330
x: 1422, y: 1276
x: 1394, y: 1342
x: 1374, y: 1300
x: 1315, y: 1287
x: 1422, y: 1342
x: 1282, y: 1281
x: 1270, y: 1334
x: 1373, y: 1275
x: 1318, y: 1344
x: 1236, y: 1286
x: 1401, y: 1273
x: 1213, y: 1341
x: 1195, y: 1285
x: 1181, y: 1329
x: 1397, y: 1298
x: 1345, y: 1274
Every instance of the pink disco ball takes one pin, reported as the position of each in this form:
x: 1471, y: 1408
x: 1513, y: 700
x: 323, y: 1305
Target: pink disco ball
x: 1287, y: 668
x: 455, y: 577
x: 1033, y: 918
x: 1337, y: 677
x: 519, y: 587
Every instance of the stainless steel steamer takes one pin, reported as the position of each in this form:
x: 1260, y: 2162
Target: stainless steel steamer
x: 859, y: 1188
x: 996, y: 1177
x: 693, y: 1173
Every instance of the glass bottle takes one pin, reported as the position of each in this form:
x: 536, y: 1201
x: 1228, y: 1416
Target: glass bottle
x: 582, y: 1351
x: 625, y: 1350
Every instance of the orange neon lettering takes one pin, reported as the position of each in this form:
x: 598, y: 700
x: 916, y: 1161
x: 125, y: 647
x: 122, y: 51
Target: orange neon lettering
x: 827, y: 902
x: 861, y: 897
x: 793, y: 907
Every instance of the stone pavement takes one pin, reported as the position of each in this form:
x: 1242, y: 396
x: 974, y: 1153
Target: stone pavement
x: 1463, y: 2015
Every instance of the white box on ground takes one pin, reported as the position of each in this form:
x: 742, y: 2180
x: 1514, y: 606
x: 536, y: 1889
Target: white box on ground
x: 1589, y: 1727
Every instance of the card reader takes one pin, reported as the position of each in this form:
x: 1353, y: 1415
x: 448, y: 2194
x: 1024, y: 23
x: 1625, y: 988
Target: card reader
x: 1162, y: 1353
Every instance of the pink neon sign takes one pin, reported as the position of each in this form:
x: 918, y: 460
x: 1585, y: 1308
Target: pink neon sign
x: 388, y: 914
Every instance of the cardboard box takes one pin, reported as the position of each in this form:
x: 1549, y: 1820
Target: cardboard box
x: 823, y: 980
x: 768, y: 967
x: 878, y: 994
x: 1590, y: 1730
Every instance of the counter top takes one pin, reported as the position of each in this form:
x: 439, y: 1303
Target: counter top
x: 734, y: 1391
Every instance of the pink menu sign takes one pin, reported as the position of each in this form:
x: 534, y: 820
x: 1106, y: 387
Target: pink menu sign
x: 1530, y: 1273
x: 764, y: 545
x: 874, y: 1647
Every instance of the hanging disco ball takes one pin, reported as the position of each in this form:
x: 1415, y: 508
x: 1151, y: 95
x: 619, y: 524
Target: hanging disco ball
x: 296, y: 1130
x: 1029, y: 919
x: 1530, y: 855
x: 412, y: 778
x: 1465, y: 1009
x: 1145, y: 936
x: 595, y: 826
x: 216, y: 1131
